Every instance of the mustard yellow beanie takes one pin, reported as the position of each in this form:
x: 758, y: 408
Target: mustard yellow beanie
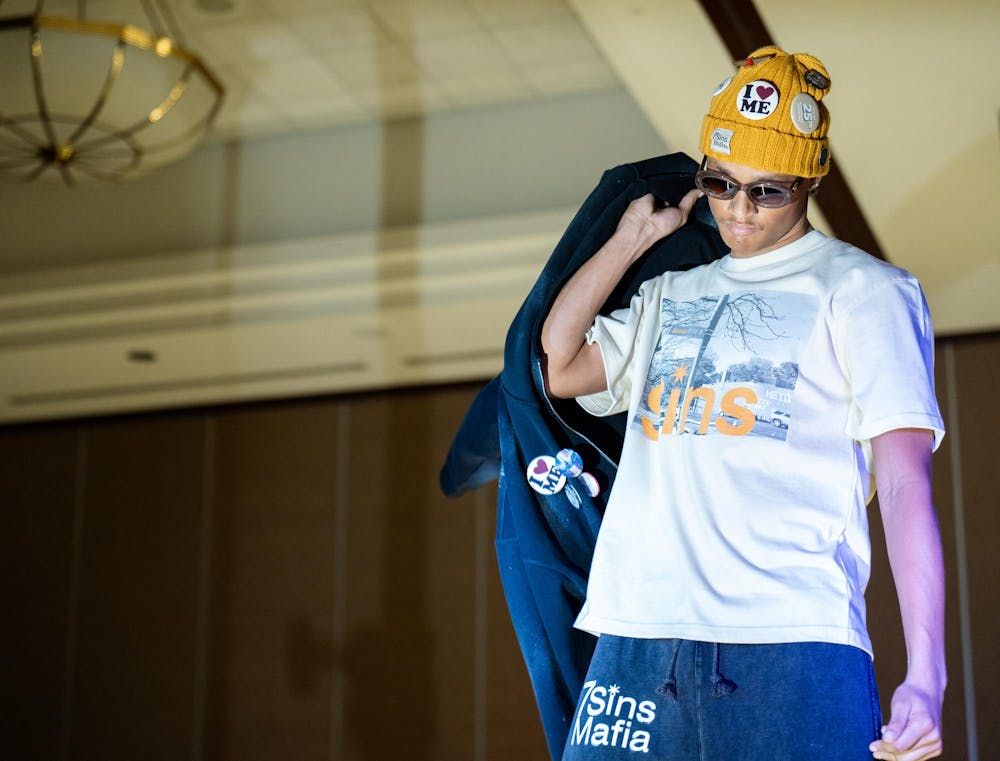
x: 770, y: 115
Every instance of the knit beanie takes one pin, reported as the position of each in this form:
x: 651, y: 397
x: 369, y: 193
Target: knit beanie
x: 769, y: 115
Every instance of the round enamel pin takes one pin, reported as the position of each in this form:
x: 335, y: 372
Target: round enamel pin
x: 722, y: 86
x: 817, y: 80
x: 757, y: 100
x: 544, y: 477
x: 805, y: 113
x: 593, y: 487
x: 569, y: 463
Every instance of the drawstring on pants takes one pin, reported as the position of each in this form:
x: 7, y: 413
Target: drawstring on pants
x: 720, y: 685
x: 669, y: 687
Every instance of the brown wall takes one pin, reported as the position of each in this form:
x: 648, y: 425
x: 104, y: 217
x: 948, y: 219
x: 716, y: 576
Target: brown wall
x: 285, y: 581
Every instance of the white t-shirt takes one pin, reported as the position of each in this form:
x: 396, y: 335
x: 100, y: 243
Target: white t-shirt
x: 753, y: 386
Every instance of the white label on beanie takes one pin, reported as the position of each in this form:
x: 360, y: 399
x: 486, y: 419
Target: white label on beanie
x: 757, y: 100
x: 805, y: 113
x: 720, y: 140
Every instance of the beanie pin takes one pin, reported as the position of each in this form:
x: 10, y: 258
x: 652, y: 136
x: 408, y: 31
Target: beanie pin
x: 815, y: 79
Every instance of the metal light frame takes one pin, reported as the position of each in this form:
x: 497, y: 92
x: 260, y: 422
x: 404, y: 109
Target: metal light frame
x: 90, y: 100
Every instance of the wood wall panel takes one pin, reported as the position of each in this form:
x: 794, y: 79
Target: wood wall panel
x: 38, y: 474
x: 385, y: 659
x: 273, y: 504
x: 953, y: 711
x: 409, y: 654
x: 451, y: 580
x: 977, y: 368
x: 134, y: 681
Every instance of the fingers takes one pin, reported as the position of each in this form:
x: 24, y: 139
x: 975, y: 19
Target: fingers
x: 913, y: 732
x: 644, y: 223
x: 887, y: 751
x: 893, y: 731
x: 918, y: 739
x: 918, y: 729
x: 687, y: 202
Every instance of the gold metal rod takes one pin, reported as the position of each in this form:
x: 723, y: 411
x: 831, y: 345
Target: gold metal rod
x: 67, y: 175
x: 22, y: 133
x: 36, y: 78
x: 114, y: 70
x: 42, y: 166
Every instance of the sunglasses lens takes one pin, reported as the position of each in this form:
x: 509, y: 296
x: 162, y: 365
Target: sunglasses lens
x: 715, y: 186
x: 769, y: 195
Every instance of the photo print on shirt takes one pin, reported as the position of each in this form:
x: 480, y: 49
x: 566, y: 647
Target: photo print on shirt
x: 726, y: 365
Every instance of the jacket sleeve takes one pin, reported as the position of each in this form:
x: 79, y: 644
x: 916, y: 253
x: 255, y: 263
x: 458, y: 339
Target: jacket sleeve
x: 474, y: 457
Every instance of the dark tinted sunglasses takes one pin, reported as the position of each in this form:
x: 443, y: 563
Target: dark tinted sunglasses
x: 770, y: 194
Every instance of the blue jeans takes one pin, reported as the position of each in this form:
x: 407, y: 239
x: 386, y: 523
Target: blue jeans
x: 678, y: 700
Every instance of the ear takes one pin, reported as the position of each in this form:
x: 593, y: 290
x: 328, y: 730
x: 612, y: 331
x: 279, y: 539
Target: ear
x: 814, y: 185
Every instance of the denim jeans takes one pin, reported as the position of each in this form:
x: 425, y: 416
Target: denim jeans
x: 678, y: 700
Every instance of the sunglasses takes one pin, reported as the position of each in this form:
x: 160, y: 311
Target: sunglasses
x: 770, y: 194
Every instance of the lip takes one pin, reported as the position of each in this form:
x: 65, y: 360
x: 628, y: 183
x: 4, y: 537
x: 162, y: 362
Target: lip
x: 740, y: 230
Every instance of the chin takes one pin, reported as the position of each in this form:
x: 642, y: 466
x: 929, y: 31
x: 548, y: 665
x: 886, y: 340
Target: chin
x: 739, y: 245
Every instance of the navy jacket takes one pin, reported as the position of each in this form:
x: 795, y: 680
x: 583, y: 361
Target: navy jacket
x: 544, y: 543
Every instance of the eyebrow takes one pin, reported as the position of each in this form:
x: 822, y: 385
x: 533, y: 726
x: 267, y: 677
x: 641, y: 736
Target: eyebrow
x: 764, y: 178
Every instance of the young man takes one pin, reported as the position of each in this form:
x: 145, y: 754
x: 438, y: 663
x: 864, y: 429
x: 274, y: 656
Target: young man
x: 765, y: 392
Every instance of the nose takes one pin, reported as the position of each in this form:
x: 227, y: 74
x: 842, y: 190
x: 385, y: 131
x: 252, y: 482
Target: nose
x: 741, y: 204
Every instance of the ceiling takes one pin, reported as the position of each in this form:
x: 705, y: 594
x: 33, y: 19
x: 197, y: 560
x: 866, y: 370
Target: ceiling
x: 301, y: 64
x: 915, y: 97
x: 915, y: 103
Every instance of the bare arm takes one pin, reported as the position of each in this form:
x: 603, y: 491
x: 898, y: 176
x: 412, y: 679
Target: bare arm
x: 571, y: 367
x: 903, y: 476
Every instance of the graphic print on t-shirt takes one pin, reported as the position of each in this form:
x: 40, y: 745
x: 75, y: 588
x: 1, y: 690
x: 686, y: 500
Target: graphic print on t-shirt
x: 726, y: 365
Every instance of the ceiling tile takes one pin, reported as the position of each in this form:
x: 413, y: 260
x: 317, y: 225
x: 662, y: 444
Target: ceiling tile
x: 407, y: 19
x: 509, y: 12
x: 468, y: 50
x: 295, y: 77
x: 253, y: 40
x: 201, y: 12
x: 571, y: 76
x: 292, y: 8
x: 369, y: 68
x: 340, y: 27
x: 312, y: 112
x: 480, y: 86
x: 404, y: 100
x: 114, y: 12
x: 530, y: 44
x: 249, y: 116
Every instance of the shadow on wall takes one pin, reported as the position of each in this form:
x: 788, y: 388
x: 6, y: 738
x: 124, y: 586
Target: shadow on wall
x: 386, y: 680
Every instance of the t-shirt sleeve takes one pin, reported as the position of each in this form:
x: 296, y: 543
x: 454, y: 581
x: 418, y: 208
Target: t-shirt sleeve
x: 888, y: 345
x: 616, y: 336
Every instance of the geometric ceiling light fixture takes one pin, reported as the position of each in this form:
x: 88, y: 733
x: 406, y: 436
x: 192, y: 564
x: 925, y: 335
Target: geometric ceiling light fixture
x: 84, y: 99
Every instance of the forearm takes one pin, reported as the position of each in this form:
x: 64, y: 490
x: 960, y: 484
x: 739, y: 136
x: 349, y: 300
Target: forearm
x: 564, y: 331
x: 914, y: 547
x: 903, y: 476
x: 571, y: 367
x: 913, y: 543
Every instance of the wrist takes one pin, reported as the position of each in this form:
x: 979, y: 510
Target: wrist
x: 932, y: 681
x: 630, y: 243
